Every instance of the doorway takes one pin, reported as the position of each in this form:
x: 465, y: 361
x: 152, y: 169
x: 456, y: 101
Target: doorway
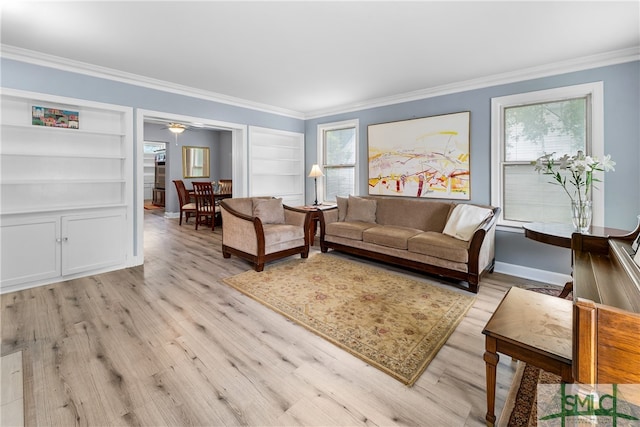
x: 237, y: 133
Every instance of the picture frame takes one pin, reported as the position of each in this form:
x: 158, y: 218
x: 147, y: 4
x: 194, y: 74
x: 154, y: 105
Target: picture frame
x: 54, y: 117
x: 426, y: 157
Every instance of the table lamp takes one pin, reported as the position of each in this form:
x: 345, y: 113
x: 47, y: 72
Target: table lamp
x: 315, y: 173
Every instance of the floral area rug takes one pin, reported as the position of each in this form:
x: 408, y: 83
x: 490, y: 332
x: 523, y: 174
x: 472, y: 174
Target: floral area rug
x: 394, y: 323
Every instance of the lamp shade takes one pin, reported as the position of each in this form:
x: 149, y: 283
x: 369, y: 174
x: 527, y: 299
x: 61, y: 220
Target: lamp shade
x: 315, y: 172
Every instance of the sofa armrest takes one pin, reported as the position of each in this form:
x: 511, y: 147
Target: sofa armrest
x: 482, y: 244
x: 300, y: 218
x: 327, y: 216
x: 295, y: 216
x: 240, y: 231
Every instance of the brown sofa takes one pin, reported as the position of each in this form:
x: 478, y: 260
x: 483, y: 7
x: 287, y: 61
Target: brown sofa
x: 424, y: 235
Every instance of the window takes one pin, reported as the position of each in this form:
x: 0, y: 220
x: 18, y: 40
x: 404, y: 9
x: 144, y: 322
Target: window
x: 527, y: 126
x: 338, y: 155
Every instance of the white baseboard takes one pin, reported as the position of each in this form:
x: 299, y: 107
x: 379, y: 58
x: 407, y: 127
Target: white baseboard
x: 532, y: 273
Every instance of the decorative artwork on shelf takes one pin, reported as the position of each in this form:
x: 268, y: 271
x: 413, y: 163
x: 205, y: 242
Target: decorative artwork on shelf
x: 54, y: 117
x: 425, y: 157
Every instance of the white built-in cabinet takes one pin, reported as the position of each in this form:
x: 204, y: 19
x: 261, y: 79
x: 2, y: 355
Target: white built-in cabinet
x: 66, y: 194
x: 276, y: 165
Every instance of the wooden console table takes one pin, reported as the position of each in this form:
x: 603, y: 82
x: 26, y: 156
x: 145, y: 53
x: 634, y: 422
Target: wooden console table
x: 531, y: 327
x: 559, y: 234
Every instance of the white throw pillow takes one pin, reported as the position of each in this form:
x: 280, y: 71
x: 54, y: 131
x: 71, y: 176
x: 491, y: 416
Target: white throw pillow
x: 465, y: 220
x: 270, y: 211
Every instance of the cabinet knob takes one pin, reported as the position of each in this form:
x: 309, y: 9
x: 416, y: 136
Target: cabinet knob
x: 58, y: 240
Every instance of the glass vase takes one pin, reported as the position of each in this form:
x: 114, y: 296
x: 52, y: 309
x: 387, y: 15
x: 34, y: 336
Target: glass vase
x: 581, y: 215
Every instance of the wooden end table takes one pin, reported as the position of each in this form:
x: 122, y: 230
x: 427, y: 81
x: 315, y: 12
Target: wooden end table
x: 531, y: 327
x: 314, y: 211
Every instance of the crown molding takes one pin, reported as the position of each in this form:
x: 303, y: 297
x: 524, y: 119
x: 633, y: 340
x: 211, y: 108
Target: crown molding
x: 563, y: 67
x: 577, y: 64
x: 64, y: 64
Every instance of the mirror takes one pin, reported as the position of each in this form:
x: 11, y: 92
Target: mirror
x: 195, y: 162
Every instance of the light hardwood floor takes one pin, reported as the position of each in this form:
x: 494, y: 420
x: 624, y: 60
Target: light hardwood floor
x: 168, y: 343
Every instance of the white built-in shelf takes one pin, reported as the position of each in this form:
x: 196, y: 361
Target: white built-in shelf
x: 64, y: 185
x: 63, y: 209
x: 49, y: 129
x: 71, y: 156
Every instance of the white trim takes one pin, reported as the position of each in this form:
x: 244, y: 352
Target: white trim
x: 355, y: 123
x: 532, y: 273
x: 577, y: 64
x: 498, y: 104
x: 64, y: 64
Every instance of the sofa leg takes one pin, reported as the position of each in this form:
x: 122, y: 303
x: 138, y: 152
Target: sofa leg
x: 473, y: 287
x: 324, y: 249
x: 225, y: 254
x: 259, y: 267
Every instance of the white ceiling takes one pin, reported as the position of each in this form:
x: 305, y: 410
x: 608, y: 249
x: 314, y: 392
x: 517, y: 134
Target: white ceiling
x: 308, y: 57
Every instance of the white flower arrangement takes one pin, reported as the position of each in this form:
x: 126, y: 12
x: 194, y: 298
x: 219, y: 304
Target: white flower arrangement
x: 581, y: 169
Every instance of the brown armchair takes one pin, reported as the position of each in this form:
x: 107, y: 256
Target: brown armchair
x: 186, y: 206
x: 262, y: 229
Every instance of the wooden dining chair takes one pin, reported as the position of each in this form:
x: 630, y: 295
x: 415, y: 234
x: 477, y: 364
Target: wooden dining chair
x: 186, y: 206
x: 225, y: 186
x: 205, y: 204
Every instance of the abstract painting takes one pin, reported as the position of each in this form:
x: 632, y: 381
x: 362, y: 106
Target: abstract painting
x: 425, y: 157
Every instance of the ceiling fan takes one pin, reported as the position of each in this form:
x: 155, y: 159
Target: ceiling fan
x: 176, y: 128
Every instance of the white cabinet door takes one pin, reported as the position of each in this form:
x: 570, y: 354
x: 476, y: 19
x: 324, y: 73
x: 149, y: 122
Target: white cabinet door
x: 30, y: 250
x: 91, y: 242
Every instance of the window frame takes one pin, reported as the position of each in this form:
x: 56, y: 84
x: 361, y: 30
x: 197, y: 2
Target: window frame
x: 595, y: 143
x: 322, y: 129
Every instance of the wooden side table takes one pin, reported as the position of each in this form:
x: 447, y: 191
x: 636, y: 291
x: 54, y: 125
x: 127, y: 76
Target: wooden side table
x: 531, y: 327
x: 315, y: 218
x: 559, y: 234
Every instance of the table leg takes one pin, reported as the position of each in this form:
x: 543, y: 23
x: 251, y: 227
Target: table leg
x: 491, y: 358
x: 568, y: 288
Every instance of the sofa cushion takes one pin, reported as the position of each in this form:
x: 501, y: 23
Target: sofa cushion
x: 342, y: 203
x: 270, y: 211
x: 349, y: 230
x: 425, y: 215
x: 360, y: 209
x: 279, y: 233
x: 439, y: 245
x: 464, y: 220
x: 244, y: 205
x: 389, y: 235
